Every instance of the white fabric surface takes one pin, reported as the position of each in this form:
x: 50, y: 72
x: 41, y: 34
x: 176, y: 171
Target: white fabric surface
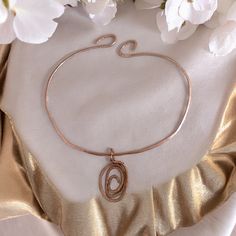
x: 116, y: 102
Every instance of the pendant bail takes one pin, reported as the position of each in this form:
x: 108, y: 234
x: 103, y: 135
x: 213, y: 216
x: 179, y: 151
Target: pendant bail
x: 112, y: 155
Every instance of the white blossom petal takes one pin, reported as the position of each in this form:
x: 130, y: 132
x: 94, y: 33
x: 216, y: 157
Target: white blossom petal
x: 33, y: 30
x: 104, y: 17
x: 186, y: 31
x: 33, y: 22
x: 223, y: 39
x: 161, y: 22
x: 173, y: 36
x: 172, y: 14
x: 3, y: 12
x: 95, y: 6
x: 189, y: 13
x: 167, y: 36
x: 49, y: 9
x: 204, y: 5
x: 7, y: 34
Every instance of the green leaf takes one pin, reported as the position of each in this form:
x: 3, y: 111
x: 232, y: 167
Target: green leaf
x: 163, y: 5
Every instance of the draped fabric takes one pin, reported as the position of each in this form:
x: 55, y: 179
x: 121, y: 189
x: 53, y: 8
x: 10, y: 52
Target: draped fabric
x: 16, y: 195
x: 26, y: 189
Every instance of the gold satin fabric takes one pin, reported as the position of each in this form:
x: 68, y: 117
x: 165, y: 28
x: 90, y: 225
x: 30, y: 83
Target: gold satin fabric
x: 183, y: 201
x: 16, y: 196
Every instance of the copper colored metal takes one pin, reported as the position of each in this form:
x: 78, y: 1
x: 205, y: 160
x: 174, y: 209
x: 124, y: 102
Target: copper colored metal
x: 116, y: 170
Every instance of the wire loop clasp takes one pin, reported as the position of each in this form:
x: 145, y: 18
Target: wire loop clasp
x: 131, y: 44
x: 112, y: 38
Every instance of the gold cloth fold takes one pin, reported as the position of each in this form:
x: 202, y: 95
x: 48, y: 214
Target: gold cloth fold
x: 183, y: 201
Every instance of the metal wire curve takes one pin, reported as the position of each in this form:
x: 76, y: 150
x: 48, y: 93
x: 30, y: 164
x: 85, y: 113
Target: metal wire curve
x: 132, y: 45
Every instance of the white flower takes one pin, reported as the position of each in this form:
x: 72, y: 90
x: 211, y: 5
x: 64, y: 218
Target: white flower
x: 3, y: 12
x: 195, y: 11
x: 30, y: 21
x: 101, y: 11
x: 172, y: 26
x: 223, y: 38
x: 174, y: 35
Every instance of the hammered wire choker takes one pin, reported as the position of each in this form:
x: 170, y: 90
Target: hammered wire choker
x: 116, y: 170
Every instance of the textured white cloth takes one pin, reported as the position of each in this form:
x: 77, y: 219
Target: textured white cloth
x: 117, y: 102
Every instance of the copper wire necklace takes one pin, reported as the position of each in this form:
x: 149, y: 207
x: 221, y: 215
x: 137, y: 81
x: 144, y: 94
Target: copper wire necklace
x: 116, y: 170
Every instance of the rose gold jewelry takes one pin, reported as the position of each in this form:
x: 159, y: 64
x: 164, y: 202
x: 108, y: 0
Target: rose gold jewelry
x: 110, y: 194
x: 107, y: 174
